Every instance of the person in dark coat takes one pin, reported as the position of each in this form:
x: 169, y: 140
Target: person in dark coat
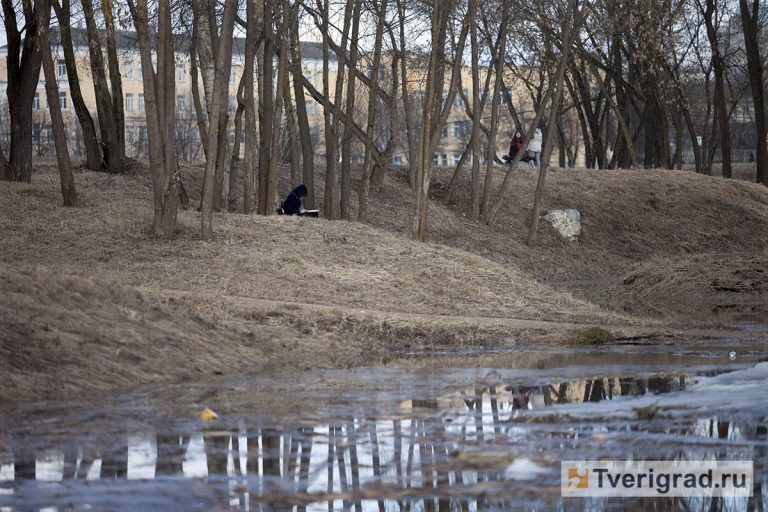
x: 292, y: 204
x: 514, y: 146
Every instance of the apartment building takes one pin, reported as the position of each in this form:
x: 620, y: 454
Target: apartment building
x: 453, y: 141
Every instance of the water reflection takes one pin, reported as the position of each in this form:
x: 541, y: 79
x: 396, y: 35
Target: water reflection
x: 477, y: 449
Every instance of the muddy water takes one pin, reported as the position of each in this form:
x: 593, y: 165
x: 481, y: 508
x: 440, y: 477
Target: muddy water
x: 462, y: 431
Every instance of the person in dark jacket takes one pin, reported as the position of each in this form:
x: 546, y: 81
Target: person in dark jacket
x: 514, y: 146
x: 292, y: 204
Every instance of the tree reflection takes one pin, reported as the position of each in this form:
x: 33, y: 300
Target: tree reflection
x: 424, y: 459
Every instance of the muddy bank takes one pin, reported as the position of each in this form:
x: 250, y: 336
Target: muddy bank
x: 699, y: 286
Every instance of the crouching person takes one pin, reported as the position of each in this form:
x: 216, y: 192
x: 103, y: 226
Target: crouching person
x: 292, y: 205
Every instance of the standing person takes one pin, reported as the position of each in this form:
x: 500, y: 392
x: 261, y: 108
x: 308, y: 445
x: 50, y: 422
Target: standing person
x: 292, y: 204
x: 534, y: 148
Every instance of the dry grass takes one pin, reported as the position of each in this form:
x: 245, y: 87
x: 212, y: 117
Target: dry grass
x: 81, y: 284
x: 88, y: 296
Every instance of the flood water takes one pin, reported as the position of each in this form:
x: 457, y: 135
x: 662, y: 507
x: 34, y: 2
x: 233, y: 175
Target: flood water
x: 461, y: 431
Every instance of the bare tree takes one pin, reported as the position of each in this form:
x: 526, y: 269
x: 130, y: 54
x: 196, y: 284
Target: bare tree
x: 68, y: 190
x: 159, y: 94
x: 217, y: 108
x: 92, y: 150
x: 752, y: 30
x: 23, y: 63
x: 110, y: 136
x: 373, y: 93
x: 435, y: 110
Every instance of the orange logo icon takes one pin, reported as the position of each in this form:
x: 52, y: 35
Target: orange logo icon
x: 578, y: 480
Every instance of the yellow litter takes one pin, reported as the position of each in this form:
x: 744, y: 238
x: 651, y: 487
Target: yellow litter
x: 208, y: 415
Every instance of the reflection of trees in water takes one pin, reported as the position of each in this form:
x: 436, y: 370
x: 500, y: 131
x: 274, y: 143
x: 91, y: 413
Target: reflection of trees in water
x: 422, y: 461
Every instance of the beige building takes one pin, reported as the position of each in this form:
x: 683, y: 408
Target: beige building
x: 453, y: 141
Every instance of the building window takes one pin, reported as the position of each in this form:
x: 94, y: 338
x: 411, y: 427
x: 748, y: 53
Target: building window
x: 129, y: 102
x: 310, y: 107
x: 397, y: 159
x: 181, y: 103
x: 131, y: 135
x: 128, y: 70
x: 232, y: 75
x: 63, y: 101
x: 36, y: 102
x: 36, y: 134
x: 443, y: 159
x: 444, y: 131
x: 456, y: 158
x: 141, y: 102
x: 232, y: 104
x: 61, y: 69
x: 139, y: 73
x: 458, y: 129
x: 180, y: 73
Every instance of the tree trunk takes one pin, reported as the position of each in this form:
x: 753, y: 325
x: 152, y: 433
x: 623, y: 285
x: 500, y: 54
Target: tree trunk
x: 721, y: 107
x: 104, y: 105
x: 251, y: 137
x: 556, y: 96
x: 294, y: 149
x: 346, y: 144
x: 266, y: 104
x: 752, y: 32
x: 218, y: 108
x: 435, y: 111
x: 92, y: 150
x: 477, y: 114
x: 200, y: 111
x: 159, y: 92
x: 282, y: 79
x: 362, y: 213
x: 490, y: 159
x: 410, y: 131
x: 114, y: 78
x: 23, y: 65
x: 68, y: 190
x: 307, y: 155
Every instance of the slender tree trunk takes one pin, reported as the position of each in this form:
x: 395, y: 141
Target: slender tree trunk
x: 92, y: 150
x: 57, y: 122
x: 282, y: 79
x: 500, y: 64
x: 200, y: 111
x: 114, y: 77
x: 435, y: 111
x: 218, y: 106
x: 752, y: 31
x: 294, y: 148
x: 410, y: 131
x: 23, y: 65
x: 267, y: 108
x: 159, y: 92
x: 346, y: 144
x: 557, y: 95
x: 251, y: 136
x: 235, y: 165
x: 718, y: 65
x: 362, y: 213
x: 104, y: 105
x: 477, y: 114
x: 307, y: 155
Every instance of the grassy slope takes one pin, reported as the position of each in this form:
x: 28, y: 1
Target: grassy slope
x: 86, y: 302
x: 80, y: 287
